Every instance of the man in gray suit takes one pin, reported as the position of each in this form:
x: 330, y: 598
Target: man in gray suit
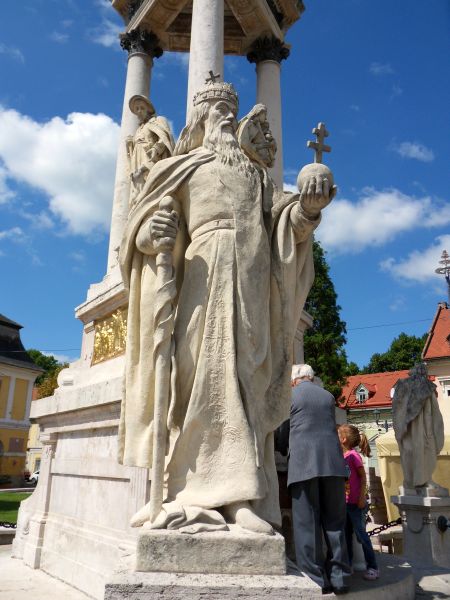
x: 316, y: 480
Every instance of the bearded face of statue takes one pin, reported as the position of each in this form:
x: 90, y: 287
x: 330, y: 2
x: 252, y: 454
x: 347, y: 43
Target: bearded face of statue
x: 222, y: 116
x: 220, y: 135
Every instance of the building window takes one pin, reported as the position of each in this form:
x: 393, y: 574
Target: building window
x: 446, y: 387
x: 361, y: 395
x: 15, y: 445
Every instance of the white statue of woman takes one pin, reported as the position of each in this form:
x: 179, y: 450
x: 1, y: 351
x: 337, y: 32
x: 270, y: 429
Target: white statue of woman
x: 152, y: 142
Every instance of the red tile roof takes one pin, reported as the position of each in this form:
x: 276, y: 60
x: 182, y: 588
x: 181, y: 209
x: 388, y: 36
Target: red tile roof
x: 379, y: 386
x: 438, y: 341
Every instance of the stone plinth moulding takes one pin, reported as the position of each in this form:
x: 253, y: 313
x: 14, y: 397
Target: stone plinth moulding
x: 142, y: 47
x: 267, y: 53
x: 41, y: 503
x: 424, y: 544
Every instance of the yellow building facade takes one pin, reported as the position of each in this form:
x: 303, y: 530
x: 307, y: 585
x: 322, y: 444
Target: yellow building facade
x: 17, y: 376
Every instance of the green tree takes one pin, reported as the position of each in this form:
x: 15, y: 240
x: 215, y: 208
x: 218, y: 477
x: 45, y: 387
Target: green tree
x: 324, y: 342
x: 48, y: 386
x: 352, y: 369
x: 403, y: 353
x: 48, y: 363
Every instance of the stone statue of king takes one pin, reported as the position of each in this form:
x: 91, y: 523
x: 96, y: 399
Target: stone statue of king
x: 242, y: 257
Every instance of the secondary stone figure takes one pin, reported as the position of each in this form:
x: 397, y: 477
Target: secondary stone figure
x: 243, y: 262
x: 419, y: 429
x: 152, y: 142
x: 255, y: 137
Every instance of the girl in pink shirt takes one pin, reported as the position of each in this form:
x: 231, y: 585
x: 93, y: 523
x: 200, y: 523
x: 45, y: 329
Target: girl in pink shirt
x: 355, y: 493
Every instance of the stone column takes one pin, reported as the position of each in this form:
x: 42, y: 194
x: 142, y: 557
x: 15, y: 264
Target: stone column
x: 142, y: 47
x: 206, y: 51
x: 268, y: 53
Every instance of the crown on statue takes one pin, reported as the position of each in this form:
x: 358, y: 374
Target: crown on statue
x: 217, y: 91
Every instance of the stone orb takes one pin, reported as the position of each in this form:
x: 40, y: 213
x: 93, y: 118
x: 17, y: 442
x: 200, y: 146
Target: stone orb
x: 314, y: 170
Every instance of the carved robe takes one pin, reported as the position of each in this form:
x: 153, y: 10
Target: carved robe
x: 152, y: 142
x: 242, y: 282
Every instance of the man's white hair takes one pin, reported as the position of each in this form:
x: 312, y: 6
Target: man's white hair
x: 299, y: 371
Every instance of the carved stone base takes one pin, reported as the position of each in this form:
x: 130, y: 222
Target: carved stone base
x: 396, y: 582
x: 233, y: 551
x: 424, y: 545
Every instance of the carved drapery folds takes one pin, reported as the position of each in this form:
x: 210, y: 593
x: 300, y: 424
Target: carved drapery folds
x: 141, y: 41
x: 268, y: 48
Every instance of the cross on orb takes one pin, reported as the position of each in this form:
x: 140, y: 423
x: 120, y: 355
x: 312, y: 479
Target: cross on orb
x: 212, y: 78
x: 318, y: 146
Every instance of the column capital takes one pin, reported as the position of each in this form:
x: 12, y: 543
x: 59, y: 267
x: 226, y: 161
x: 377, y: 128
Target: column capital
x: 141, y: 41
x: 268, y: 48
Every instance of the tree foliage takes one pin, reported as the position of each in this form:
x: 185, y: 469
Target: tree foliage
x: 48, y: 386
x: 403, y: 353
x: 324, y: 342
x: 48, y: 363
x: 47, y: 381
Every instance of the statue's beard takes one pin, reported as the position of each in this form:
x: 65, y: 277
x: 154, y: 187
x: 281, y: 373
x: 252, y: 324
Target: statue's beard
x: 225, y: 145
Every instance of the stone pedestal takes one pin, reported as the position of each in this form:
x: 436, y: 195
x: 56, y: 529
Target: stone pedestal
x: 396, y: 583
x: 233, y: 551
x: 424, y: 544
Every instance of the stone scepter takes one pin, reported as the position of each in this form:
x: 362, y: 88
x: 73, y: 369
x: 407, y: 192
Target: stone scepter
x: 164, y: 322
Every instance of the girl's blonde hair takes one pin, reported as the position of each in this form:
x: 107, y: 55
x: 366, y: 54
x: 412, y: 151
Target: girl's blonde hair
x: 354, y: 438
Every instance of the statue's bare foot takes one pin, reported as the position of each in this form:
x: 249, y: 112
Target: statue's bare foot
x: 242, y: 514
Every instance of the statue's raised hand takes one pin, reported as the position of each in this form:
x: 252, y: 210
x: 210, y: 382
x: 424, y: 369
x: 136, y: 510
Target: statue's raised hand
x: 316, y: 186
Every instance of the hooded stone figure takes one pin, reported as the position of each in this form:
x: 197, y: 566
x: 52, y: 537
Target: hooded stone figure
x: 418, y: 426
x: 243, y: 263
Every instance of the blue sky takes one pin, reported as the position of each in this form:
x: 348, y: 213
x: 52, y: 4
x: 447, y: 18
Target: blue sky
x: 375, y: 72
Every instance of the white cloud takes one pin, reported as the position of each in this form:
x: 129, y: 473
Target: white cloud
x: 355, y: 107
x: 175, y: 58
x: 13, y: 52
x: 397, y: 304
x: 15, y: 234
x: 289, y: 187
x: 414, y: 150
x: 107, y: 34
x: 38, y: 220
x: 61, y: 358
x: 376, y: 219
x: 5, y: 193
x: 79, y: 256
x: 396, y: 91
x: 104, y: 4
x: 72, y: 161
x: 59, y: 38
x: 420, y: 265
x: 377, y: 68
